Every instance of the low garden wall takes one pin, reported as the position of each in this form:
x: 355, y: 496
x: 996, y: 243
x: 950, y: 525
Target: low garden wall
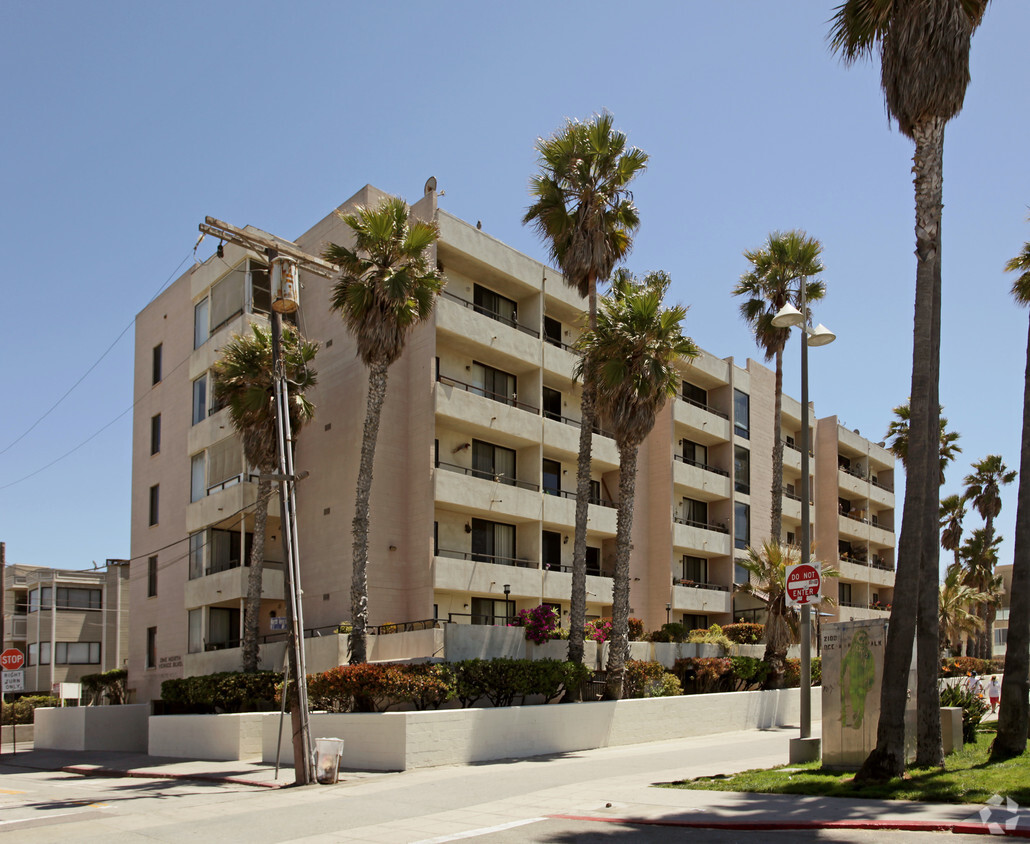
x: 24, y: 733
x: 92, y: 728
x: 217, y: 737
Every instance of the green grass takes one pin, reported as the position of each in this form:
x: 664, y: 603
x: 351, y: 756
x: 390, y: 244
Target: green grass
x: 966, y: 778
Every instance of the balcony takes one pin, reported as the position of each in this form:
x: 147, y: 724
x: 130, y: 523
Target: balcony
x: 462, y: 571
x: 710, y: 425
x: 701, y: 598
x: 713, y: 539
x: 483, y: 412
x: 711, y: 480
x: 470, y: 327
x: 223, y: 499
x: 561, y: 510
x: 221, y: 585
x: 478, y: 493
x: 562, y: 433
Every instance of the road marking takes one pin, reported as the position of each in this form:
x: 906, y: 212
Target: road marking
x: 37, y: 818
x: 473, y: 833
x: 11, y: 791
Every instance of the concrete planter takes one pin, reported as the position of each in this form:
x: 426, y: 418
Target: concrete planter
x: 93, y: 728
x: 24, y: 732
x: 214, y: 737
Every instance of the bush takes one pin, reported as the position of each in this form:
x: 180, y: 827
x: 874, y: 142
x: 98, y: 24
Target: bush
x: 229, y: 691
x: 539, y: 623
x: 23, y: 710
x: 960, y: 666
x: 598, y: 630
x: 792, y: 675
x: 641, y: 678
x: 973, y: 708
x: 109, y: 683
x: 671, y: 632
x: 636, y: 630
x: 501, y: 681
x: 704, y: 674
x: 712, y: 636
x: 744, y: 633
x: 748, y: 671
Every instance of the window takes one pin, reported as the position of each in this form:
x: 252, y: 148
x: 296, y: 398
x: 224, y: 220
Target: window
x: 494, y: 305
x: 695, y: 454
x: 200, y: 399
x: 552, y: 477
x: 552, y: 331
x: 152, y: 577
x: 695, y: 622
x: 154, y: 499
x: 1001, y: 635
x: 227, y: 295
x: 595, y: 492
x: 552, y: 404
x: 198, y: 478
x: 200, y: 323
x: 260, y: 289
x: 792, y: 538
x: 77, y: 653
x: 741, y: 525
x: 741, y: 414
x: 493, y: 383
x: 493, y: 542
x: 694, y: 394
x: 741, y: 469
x: 593, y: 560
x: 695, y: 512
x: 151, y: 656
x: 695, y: 569
x: 224, y: 463
x: 489, y: 611
x: 79, y: 599
x: 550, y: 550
x: 41, y: 599
x: 156, y: 364
x: 155, y: 434
x: 740, y: 574
x: 223, y: 628
x: 844, y: 594
x: 436, y: 541
x: 227, y: 550
x: 493, y: 462
x: 39, y: 653
x: 195, y: 634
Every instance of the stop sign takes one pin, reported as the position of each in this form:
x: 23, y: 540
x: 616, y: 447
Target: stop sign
x: 11, y: 659
x: 803, y: 583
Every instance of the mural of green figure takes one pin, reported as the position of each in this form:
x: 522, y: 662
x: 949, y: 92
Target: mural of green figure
x: 857, y: 674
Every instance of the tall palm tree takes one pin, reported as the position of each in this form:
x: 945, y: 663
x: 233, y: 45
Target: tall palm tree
x: 898, y: 432
x: 954, y: 616
x: 767, y: 581
x: 244, y: 382
x: 979, y: 554
x: 778, y: 269
x: 952, y: 511
x: 584, y: 211
x: 388, y: 284
x: 633, y: 352
x: 924, y: 72
x: 1014, y: 712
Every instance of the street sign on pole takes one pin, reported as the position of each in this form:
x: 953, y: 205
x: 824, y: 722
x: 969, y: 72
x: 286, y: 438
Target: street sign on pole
x: 13, y: 681
x: 803, y: 584
x: 11, y: 659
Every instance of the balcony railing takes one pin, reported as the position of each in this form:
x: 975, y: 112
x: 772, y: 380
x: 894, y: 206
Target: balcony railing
x: 697, y: 584
x: 494, y: 315
x: 793, y: 496
x: 854, y: 560
x: 881, y: 564
x: 594, y: 499
x: 882, y: 486
x: 593, y: 571
x: 575, y: 423
x: 511, y: 401
x: 794, y: 447
x: 714, y: 469
x: 853, y: 517
x: 488, y: 476
x: 704, y: 406
x: 243, y: 477
x: 855, y: 605
x: 476, y: 557
x: 853, y: 472
x: 703, y: 525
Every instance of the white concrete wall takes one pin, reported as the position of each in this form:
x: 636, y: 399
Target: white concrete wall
x: 16, y: 732
x: 93, y: 728
x: 216, y: 737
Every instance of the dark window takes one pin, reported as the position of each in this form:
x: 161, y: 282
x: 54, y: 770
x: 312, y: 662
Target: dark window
x: 693, y: 393
x: 552, y: 404
x: 155, y: 434
x: 493, y: 542
x: 552, y: 331
x: 488, y: 611
x: 740, y: 574
x: 694, y: 453
x: 151, y: 647
x: 741, y: 469
x: 156, y: 363
x: 695, y: 512
x: 223, y: 628
x: 493, y: 383
x: 741, y: 414
x: 493, y: 462
x: 844, y: 593
x: 792, y: 538
x: 154, y: 496
x: 695, y: 622
x: 494, y: 305
x: 227, y: 550
x: 200, y: 323
x: 69, y: 598
x: 77, y: 653
x: 261, y: 289
x: 152, y: 577
x: 695, y: 569
x: 595, y: 492
x: 552, y: 477
x: 200, y: 399
x: 550, y: 549
x: 593, y: 560
x: 197, y: 542
x: 741, y: 525
x: 436, y: 541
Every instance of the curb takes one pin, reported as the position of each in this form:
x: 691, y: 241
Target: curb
x: 94, y: 771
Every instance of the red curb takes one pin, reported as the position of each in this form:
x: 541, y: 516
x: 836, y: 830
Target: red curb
x: 87, y: 771
x: 957, y: 827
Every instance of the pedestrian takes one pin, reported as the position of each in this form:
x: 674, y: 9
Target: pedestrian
x: 994, y: 693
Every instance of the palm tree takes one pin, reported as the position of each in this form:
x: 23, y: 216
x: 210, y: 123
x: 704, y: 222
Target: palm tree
x: 954, y: 617
x: 979, y: 553
x: 1014, y: 712
x: 244, y: 382
x: 633, y: 352
x: 583, y: 209
x: 767, y: 581
x: 388, y: 284
x: 924, y: 72
x: 952, y: 511
x: 897, y: 438
x: 785, y: 259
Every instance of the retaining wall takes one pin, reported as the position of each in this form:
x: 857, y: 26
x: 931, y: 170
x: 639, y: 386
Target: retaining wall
x: 92, y: 727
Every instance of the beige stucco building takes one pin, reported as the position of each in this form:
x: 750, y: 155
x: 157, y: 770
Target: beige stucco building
x: 473, y: 502
x: 66, y: 623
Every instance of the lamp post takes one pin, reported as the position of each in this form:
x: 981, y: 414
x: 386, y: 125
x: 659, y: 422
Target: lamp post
x: 668, y: 611
x: 788, y: 317
x: 507, y: 592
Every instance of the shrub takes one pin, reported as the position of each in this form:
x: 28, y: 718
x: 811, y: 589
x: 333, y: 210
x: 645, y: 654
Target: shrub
x: 636, y: 630
x: 228, y: 691
x: 671, y: 632
x: 973, y: 708
x: 23, y: 710
x: 501, y: 681
x: 109, y: 683
x: 667, y: 686
x: 539, y: 623
x: 598, y: 630
x: 744, y: 633
x: 425, y: 685
x: 705, y: 674
x: 960, y: 666
x: 792, y: 674
x: 641, y: 677
x: 748, y: 671
x: 712, y: 636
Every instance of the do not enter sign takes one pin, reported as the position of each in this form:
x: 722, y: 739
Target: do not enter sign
x: 11, y: 659
x: 803, y: 584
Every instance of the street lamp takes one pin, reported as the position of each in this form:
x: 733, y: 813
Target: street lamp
x: 668, y: 611
x: 789, y: 317
x: 507, y: 592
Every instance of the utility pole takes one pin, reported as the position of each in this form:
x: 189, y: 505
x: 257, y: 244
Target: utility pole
x: 286, y: 260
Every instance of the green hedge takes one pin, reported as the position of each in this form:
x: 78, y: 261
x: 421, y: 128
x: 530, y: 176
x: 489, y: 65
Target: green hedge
x: 229, y: 691
x: 744, y: 633
x: 960, y: 666
x: 23, y: 710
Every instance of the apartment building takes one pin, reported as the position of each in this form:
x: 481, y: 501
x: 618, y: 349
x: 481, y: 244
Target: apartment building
x: 473, y: 504
x: 66, y: 623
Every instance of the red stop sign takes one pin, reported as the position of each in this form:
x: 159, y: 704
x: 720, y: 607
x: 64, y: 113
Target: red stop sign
x: 11, y: 659
x: 803, y: 583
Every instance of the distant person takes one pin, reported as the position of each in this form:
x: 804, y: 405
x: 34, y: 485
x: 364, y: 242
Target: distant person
x: 994, y: 693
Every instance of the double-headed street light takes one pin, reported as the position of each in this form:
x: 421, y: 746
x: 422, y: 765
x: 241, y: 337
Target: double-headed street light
x: 789, y: 317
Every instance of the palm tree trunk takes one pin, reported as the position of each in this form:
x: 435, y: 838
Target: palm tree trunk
x: 777, y: 642
x: 359, y: 577
x: 1014, y: 711
x: 777, y: 469
x: 252, y: 609
x: 618, y: 642
x: 983, y: 636
x: 588, y: 415
x: 888, y: 758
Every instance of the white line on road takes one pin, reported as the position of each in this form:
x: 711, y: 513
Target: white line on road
x: 473, y: 833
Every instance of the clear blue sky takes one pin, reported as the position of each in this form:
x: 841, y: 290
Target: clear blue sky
x: 125, y: 123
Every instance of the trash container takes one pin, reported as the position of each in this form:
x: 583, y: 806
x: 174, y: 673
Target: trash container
x: 328, y: 753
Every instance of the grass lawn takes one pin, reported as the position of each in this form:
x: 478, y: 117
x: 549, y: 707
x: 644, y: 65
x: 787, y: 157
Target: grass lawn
x: 967, y: 778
